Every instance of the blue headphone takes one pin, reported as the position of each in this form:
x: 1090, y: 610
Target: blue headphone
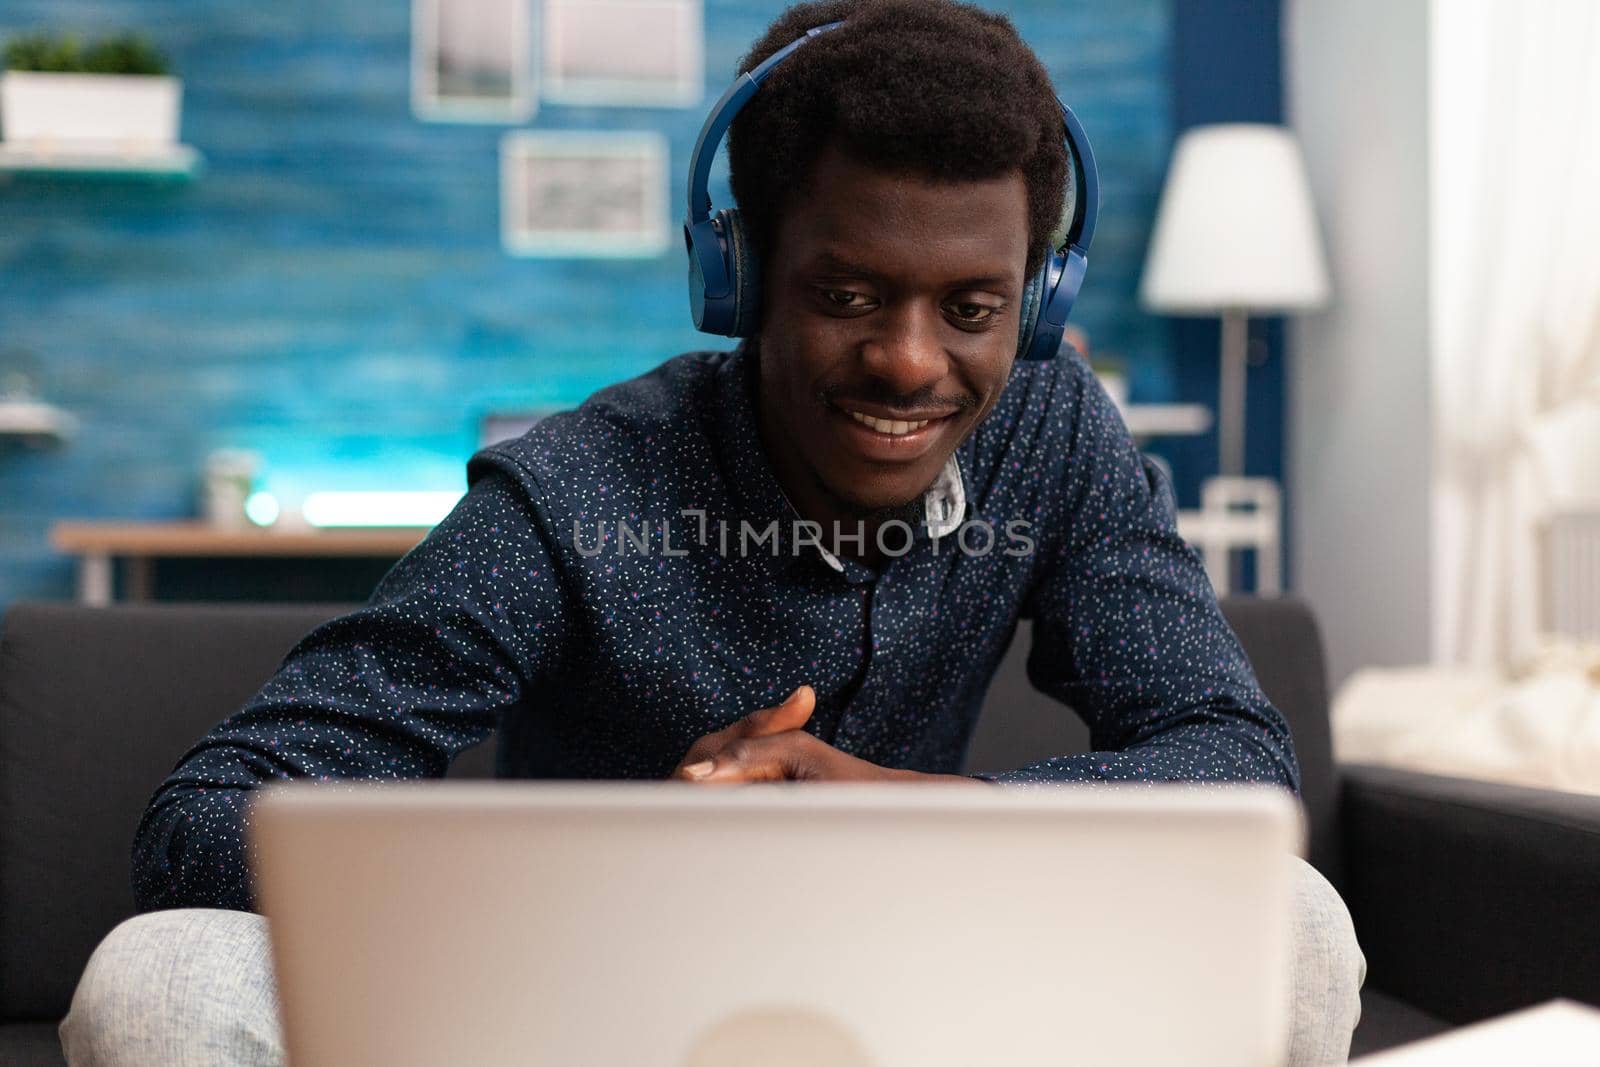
x: 725, y: 277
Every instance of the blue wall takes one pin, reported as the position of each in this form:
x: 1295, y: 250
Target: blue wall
x: 1227, y: 67
x: 332, y: 293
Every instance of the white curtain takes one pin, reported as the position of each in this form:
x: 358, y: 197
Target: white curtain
x: 1515, y: 231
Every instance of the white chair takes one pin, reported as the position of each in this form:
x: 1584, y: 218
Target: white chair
x: 1237, y: 513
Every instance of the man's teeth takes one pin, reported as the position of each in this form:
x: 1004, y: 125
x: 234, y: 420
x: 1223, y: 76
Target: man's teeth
x: 894, y: 426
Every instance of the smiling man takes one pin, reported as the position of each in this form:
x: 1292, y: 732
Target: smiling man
x: 801, y: 559
x: 890, y: 331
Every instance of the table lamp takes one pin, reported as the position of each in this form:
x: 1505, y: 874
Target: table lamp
x: 1235, y: 233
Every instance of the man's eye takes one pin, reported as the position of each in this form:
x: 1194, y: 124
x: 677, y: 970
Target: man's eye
x: 847, y: 299
x: 970, y: 312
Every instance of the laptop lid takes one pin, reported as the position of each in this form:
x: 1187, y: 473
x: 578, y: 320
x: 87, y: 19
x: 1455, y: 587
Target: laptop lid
x: 853, y: 926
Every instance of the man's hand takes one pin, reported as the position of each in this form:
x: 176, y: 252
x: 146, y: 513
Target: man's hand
x: 770, y: 746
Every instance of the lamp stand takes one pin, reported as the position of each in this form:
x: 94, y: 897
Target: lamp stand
x: 1230, y: 406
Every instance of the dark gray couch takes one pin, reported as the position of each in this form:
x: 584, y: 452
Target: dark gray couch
x: 1470, y: 899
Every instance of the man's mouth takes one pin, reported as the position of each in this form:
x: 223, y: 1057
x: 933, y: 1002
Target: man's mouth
x: 884, y: 435
x: 889, y: 426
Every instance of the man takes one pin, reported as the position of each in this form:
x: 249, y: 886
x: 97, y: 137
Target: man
x: 770, y: 563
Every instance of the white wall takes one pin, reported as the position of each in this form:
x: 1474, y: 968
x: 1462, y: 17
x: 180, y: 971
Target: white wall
x: 1359, y: 396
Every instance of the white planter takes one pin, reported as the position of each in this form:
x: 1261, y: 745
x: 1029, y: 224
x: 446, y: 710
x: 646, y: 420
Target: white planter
x: 79, y: 111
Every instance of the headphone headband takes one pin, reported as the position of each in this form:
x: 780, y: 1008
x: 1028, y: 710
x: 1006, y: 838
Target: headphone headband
x: 1086, y: 204
x: 724, y: 279
x: 722, y: 114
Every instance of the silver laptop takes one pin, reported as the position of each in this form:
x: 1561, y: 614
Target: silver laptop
x: 633, y: 925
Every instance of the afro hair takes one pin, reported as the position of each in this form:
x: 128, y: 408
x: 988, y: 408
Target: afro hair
x: 933, y: 89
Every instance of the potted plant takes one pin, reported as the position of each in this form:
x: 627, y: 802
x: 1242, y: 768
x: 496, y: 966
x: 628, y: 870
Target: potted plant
x: 113, y: 95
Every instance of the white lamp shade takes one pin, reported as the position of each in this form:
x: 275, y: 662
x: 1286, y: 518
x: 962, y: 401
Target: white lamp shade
x: 1236, y: 228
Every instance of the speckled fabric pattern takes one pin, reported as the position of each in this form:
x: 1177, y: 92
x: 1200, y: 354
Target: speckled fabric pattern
x: 601, y: 650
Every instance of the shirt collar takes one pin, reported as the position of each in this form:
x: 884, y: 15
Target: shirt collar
x: 946, y: 499
x: 754, y: 484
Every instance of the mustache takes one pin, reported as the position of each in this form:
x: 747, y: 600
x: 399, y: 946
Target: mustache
x: 921, y: 400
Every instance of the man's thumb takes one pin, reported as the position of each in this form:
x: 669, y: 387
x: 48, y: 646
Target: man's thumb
x: 790, y: 715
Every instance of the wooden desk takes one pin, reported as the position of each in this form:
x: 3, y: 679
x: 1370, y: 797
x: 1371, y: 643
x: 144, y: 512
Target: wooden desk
x: 97, y: 544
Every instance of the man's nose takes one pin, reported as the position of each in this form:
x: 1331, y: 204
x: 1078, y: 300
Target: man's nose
x: 906, y: 352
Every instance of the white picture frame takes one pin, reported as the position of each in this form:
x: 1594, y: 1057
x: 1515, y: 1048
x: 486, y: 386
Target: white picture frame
x: 623, y: 53
x: 472, y: 61
x: 584, y: 194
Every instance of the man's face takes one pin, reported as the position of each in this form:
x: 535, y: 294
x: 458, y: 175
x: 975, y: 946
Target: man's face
x: 889, y: 329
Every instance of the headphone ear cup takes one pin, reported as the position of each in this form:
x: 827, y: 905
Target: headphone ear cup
x: 746, y: 271
x: 1032, y: 301
x: 697, y: 284
x: 1051, y: 303
x: 710, y: 293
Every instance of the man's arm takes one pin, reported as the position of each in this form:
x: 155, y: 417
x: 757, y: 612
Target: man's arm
x: 451, y: 636
x: 1127, y: 630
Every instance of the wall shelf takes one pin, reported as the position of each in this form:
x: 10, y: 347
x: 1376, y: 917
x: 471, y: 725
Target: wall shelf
x: 35, y: 422
x: 177, y: 162
x: 1166, y: 420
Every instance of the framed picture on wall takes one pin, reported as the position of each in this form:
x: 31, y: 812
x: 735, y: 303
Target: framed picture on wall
x: 472, y: 61
x: 583, y: 193
x: 648, y: 53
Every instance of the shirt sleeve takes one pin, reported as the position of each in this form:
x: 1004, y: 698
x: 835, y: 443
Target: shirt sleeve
x: 451, y: 637
x: 1127, y: 630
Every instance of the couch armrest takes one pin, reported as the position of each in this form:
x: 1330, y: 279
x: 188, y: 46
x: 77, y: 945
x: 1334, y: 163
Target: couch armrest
x: 1472, y: 898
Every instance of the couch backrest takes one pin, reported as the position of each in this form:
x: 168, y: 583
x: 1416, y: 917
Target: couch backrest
x: 98, y: 704
x: 1284, y: 645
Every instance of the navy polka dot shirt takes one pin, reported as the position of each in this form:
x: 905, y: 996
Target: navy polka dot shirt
x: 554, y: 607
